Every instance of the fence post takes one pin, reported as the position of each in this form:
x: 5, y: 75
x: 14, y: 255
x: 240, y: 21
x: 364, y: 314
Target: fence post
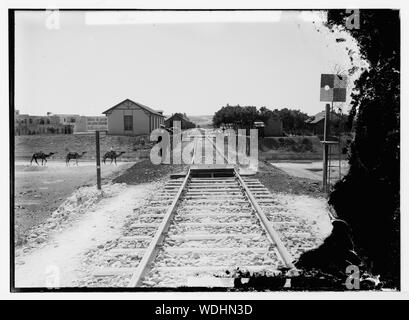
x: 98, y: 160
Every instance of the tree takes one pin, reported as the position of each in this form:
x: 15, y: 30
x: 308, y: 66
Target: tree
x: 339, y: 124
x: 293, y: 120
x: 237, y: 116
x: 244, y: 117
x: 368, y: 196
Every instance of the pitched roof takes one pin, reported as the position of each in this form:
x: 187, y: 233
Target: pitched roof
x: 320, y: 116
x: 150, y: 110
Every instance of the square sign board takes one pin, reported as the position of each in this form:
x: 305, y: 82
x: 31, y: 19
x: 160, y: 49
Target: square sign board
x: 97, y: 123
x: 333, y: 88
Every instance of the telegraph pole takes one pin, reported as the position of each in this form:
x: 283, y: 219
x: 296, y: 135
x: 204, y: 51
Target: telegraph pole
x: 97, y: 158
x: 333, y: 89
x: 325, y: 156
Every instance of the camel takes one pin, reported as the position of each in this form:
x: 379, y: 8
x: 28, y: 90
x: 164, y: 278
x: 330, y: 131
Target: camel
x: 112, y: 155
x: 41, y: 155
x: 73, y: 155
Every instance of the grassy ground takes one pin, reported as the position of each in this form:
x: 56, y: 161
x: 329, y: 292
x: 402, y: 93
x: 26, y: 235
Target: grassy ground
x: 274, y: 148
x: 61, y: 144
x: 290, y: 148
x: 294, y: 148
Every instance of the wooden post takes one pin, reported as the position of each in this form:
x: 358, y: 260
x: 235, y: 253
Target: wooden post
x: 98, y: 160
x: 325, y: 155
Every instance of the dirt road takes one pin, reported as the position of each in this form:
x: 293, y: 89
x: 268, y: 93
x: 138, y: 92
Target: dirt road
x: 39, y: 190
x: 58, y: 263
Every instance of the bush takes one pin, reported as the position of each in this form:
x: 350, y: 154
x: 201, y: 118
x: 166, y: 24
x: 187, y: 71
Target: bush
x: 368, y: 198
x: 307, y: 144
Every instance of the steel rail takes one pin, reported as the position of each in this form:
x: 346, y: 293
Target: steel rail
x: 157, y: 240
x: 145, y: 264
x: 265, y: 223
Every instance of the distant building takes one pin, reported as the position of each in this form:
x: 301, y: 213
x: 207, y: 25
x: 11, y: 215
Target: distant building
x: 316, y: 123
x: 25, y: 124
x: 81, y: 124
x: 185, y: 123
x: 132, y: 118
x: 66, y: 119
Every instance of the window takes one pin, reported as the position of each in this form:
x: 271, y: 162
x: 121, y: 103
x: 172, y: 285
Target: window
x: 128, y: 123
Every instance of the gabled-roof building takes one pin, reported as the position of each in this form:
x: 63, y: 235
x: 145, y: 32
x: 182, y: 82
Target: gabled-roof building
x: 317, y: 122
x: 185, y: 123
x: 132, y: 118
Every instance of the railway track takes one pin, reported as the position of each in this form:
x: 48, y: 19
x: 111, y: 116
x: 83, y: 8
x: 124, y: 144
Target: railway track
x: 204, y: 229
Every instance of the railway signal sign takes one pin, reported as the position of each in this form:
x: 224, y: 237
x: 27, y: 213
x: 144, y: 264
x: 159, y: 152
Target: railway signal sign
x: 333, y: 88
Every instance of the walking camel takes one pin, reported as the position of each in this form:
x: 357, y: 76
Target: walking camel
x: 112, y: 155
x: 41, y: 156
x: 75, y: 156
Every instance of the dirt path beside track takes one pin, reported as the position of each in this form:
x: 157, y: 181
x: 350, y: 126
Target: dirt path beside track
x: 58, y: 263
x: 39, y: 190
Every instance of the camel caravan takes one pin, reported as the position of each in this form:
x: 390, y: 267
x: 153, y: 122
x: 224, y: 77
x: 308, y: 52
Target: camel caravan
x: 113, y: 155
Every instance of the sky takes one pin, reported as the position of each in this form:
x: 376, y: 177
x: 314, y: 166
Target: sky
x: 86, y: 62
